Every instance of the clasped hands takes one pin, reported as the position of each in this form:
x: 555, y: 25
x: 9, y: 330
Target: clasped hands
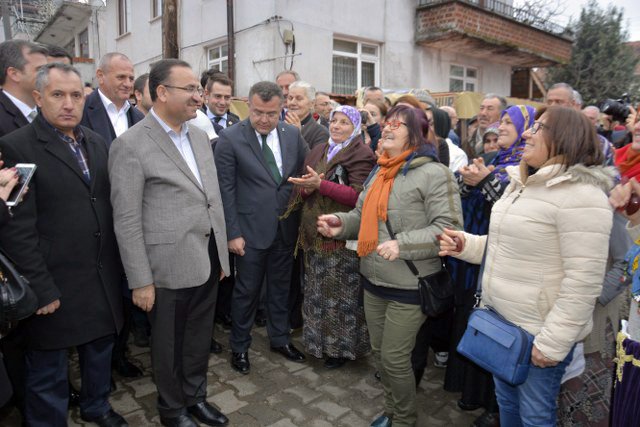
x: 474, y: 173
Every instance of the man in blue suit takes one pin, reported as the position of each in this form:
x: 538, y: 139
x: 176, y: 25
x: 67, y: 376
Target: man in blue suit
x: 107, y: 112
x: 254, y: 160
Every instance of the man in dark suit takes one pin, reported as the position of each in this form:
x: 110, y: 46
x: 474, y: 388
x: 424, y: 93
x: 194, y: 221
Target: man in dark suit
x: 107, y: 111
x: 62, y: 239
x: 217, y: 95
x: 19, y: 63
x: 254, y: 159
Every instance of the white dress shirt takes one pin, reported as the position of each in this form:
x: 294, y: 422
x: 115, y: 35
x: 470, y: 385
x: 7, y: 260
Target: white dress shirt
x: 182, y: 143
x: 222, y: 122
x: 28, y: 112
x: 119, y: 119
x: 274, y: 143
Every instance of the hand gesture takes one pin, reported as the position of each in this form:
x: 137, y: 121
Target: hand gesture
x: 293, y: 119
x: 329, y: 225
x: 631, y: 119
x: 309, y: 181
x: 451, y: 242
x: 474, y: 173
x: 622, y: 195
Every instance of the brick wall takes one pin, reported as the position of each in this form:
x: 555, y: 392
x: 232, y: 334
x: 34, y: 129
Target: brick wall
x: 433, y: 21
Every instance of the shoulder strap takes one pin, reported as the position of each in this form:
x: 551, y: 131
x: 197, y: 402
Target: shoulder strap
x: 409, y: 263
x: 478, y: 294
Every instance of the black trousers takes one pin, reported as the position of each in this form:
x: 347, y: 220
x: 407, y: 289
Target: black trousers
x: 274, y: 264
x: 47, y: 383
x: 181, y: 329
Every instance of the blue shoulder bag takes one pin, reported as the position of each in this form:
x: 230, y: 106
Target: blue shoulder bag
x: 495, y: 344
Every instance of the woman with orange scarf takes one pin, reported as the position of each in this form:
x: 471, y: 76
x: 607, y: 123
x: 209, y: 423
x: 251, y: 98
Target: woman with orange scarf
x: 419, y: 198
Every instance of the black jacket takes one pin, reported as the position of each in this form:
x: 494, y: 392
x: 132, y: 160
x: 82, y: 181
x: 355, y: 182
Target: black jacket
x: 61, y: 238
x: 11, y: 118
x: 96, y: 118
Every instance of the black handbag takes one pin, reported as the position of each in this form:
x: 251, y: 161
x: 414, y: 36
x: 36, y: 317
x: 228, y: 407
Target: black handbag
x: 17, y: 299
x: 435, y: 290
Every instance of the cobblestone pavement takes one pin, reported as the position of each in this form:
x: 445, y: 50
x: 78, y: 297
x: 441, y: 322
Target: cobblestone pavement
x: 279, y: 393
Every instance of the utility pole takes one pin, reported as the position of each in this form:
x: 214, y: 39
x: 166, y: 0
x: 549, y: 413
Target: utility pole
x: 6, y: 18
x: 170, y: 29
x: 231, y: 45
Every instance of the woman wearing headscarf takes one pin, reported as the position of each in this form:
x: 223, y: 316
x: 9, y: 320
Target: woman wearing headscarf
x: 415, y: 196
x: 480, y: 187
x: 334, y: 324
x: 455, y: 157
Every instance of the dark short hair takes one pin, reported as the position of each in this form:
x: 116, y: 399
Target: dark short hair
x: 372, y: 88
x: 570, y: 134
x: 160, y: 72
x: 295, y: 75
x: 42, y: 77
x: 58, y: 52
x: 140, y: 82
x: 11, y: 55
x: 416, y: 122
x: 441, y: 122
x: 220, y: 78
x: 266, y: 91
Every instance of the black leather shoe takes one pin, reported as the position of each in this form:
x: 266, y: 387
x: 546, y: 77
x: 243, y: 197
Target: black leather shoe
x: 467, y: 406
x: 216, y: 347
x: 224, y: 320
x: 487, y: 419
x: 290, y: 352
x: 207, y: 414
x: 126, y: 369
x: 74, y: 396
x: 240, y: 362
x: 261, y: 318
x: 180, y: 421
x: 334, y: 362
x: 108, y: 419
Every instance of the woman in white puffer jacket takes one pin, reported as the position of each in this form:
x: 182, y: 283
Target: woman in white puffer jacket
x: 546, y: 254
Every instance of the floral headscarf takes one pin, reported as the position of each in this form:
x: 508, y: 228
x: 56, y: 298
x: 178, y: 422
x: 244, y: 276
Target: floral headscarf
x: 354, y: 117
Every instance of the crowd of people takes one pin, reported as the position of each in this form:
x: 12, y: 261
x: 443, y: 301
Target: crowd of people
x: 157, y: 212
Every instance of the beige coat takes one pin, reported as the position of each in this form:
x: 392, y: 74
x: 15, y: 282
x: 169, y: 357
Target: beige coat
x: 547, y: 253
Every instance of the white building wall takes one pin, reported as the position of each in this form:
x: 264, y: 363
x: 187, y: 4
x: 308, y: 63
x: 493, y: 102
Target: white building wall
x: 388, y: 23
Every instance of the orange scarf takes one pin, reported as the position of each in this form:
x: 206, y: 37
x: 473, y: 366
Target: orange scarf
x: 376, y: 201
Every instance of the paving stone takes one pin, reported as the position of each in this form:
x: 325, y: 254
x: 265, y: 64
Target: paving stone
x: 353, y: 420
x: 320, y: 423
x: 141, y: 387
x: 332, y: 409
x: 305, y: 394
x: 285, y: 422
x: 227, y: 402
x: 262, y: 411
x: 368, y: 390
x: 332, y: 390
x: 244, y: 386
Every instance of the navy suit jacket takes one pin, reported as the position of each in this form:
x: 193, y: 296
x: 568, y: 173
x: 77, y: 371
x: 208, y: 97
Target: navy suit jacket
x: 11, y: 118
x: 253, y: 201
x: 96, y: 118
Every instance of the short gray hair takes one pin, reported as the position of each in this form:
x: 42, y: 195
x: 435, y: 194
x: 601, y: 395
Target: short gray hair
x: 291, y: 72
x: 309, y: 90
x: 42, y: 77
x: 105, y: 61
x: 502, y: 99
x: 577, y: 98
x: 591, y: 108
x: 266, y: 91
x: 564, y: 86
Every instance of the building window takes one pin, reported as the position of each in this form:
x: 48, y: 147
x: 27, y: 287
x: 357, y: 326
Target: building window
x: 124, y: 16
x: 156, y: 8
x: 355, y: 65
x: 83, y: 43
x: 218, y: 58
x: 463, y: 78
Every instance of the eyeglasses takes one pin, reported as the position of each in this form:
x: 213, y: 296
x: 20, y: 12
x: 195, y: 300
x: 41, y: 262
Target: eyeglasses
x: 393, y: 124
x: 190, y: 89
x: 537, y: 126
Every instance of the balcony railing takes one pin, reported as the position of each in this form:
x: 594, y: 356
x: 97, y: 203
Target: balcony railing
x: 524, y: 16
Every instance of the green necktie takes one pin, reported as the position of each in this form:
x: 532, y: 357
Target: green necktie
x: 270, y: 159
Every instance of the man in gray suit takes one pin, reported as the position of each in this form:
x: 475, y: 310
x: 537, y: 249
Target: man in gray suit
x: 171, y: 232
x: 255, y: 158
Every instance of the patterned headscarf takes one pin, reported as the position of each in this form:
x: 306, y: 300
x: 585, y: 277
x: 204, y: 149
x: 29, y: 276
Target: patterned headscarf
x: 354, y: 117
x: 522, y: 116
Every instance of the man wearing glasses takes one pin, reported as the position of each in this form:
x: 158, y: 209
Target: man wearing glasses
x: 254, y: 159
x: 171, y: 233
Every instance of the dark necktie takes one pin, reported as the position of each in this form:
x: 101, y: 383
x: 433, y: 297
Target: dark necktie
x: 216, y: 124
x: 270, y: 159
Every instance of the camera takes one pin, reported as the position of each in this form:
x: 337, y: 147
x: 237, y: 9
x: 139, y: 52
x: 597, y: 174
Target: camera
x: 618, y: 109
x: 364, y: 115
